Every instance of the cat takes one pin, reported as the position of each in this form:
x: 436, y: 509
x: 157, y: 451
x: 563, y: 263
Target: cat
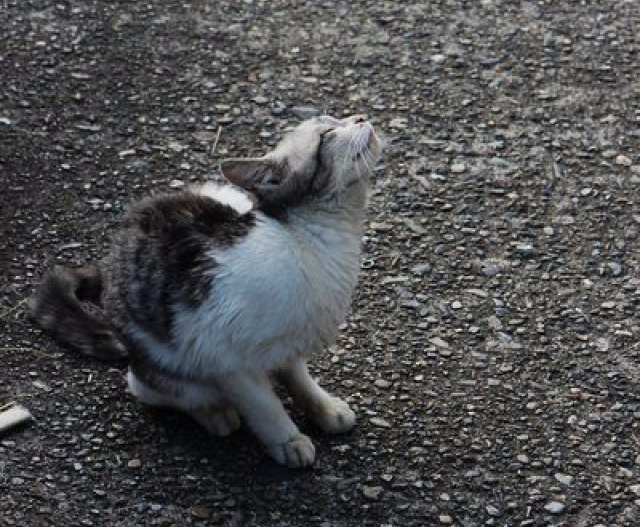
x: 215, y: 292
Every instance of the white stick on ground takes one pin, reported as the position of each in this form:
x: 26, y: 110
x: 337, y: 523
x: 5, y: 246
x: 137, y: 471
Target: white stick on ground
x: 13, y: 416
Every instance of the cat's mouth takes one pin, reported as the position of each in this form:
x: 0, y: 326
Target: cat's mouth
x: 367, y: 150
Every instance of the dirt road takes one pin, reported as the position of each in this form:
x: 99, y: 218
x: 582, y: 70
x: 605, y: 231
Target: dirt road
x: 493, y: 351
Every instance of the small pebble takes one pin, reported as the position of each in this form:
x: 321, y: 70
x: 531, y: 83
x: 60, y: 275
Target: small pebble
x: 440, y: 343
x: 555, y: 507
x: 398, y: 123
x: 458, y: 168
x: 134, y: 463
x: 565, y: 479
x: 623, y: 161
x: 491, y: 270
x: 278, y: 109
x: 372, y: 493
x: 524, y: 248
x: 456, y: 304
x: 615, y: 267
x: 445, y: 519
x: 421, y: 268
x: 381, y: 383
x: 201, y: 513
x: 378, y: 421
x: 176, y: 183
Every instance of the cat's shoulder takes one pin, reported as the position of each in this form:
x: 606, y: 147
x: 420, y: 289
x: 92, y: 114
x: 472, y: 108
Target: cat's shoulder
x: 227, y: 195
x: 207, y: 208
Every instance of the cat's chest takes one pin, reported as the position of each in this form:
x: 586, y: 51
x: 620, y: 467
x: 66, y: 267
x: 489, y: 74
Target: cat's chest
x: 284, y: 286
x: 317, y: 269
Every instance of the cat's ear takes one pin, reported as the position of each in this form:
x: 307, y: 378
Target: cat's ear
x: 252, y: 174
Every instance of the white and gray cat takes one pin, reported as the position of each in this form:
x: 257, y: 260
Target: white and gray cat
x: 214, y: 291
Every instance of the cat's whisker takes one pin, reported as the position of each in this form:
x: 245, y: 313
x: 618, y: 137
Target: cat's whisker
x: 367, y: 157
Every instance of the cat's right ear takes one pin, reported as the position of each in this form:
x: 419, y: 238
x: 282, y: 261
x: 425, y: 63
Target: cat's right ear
x: 253, y: 173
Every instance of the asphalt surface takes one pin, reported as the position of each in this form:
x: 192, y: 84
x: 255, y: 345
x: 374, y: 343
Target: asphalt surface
x: 493, y: 352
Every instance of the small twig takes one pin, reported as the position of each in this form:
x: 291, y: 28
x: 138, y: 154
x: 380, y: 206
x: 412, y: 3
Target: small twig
x: 14, y: 308
x: 6, y: 406
x: 215, y: 142
x: 13, y: 349
x: 557, y: 175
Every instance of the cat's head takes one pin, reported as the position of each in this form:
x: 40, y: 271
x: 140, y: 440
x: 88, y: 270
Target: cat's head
x: 322, y: 160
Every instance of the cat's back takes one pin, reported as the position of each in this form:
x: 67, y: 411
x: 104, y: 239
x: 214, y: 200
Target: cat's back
x: 160, y: 257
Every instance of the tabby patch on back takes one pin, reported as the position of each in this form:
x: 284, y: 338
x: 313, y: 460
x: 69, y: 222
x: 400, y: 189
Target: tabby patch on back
x: 214, y: 292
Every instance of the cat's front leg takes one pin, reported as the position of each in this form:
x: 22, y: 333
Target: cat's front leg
x: 253, y: 396
x: 331, y: 414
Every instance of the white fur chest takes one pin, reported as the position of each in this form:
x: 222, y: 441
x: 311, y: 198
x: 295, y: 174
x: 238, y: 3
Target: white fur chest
x: 280, y: 292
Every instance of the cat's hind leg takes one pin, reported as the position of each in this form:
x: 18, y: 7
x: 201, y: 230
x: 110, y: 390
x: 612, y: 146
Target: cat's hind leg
x: 330, y: 413
x: 218, y: 420
x: 258, y: 404
x: 202, y: 402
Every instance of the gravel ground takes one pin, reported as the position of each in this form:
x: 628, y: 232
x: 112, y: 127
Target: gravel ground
x: 493, y: 352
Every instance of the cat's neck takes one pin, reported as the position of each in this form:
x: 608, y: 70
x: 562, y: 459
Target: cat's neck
x: 345, y: 214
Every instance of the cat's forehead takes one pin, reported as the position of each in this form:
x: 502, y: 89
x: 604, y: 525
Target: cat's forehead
x: 307, y: 133
x: 315, y: 125
x: 303, y: 139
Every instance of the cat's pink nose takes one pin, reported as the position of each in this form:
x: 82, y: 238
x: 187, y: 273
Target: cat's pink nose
x: 360, y: 119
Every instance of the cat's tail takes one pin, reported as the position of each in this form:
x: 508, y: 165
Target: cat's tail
x: 67, y: 304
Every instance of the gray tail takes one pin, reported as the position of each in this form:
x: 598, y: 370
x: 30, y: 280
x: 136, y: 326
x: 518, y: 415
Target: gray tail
x: 68, y: 305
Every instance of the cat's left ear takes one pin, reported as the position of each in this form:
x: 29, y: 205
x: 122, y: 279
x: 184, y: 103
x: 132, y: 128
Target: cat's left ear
x: 253, y: 173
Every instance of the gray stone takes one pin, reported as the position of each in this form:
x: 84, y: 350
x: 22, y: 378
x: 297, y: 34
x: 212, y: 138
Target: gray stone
x: 491, y: 270
x: 379, y: 422
x: 565, y: 479
x: 305, y: 112
x: 372, y: 493
x: 439, y: 342
x: 623, y: 160
x: 616, y: 268
x: 555, y: 507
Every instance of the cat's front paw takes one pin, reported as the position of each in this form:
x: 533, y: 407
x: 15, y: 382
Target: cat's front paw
x: 298, y: 452
x: 334, y: 416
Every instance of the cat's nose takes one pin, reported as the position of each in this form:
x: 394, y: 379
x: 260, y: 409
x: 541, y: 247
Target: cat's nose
x: 360, y: 119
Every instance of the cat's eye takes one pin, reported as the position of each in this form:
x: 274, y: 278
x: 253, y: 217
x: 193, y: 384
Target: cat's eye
x: 270, y: 179
x: 324, y: 133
